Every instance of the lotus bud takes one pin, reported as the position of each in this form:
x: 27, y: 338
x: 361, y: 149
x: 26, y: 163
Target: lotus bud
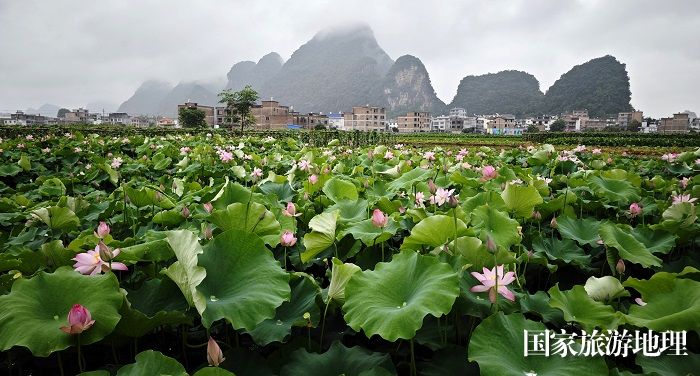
x: 536, y: 215
x: 290, y: 211
x: 453, y: 202
x: 635, y: 209
x: 79, y: 320
x: 208, y: 207
x: 553, y: 222
x: 185, y: 212
x: 491, y: 245
x: 102, y: 230
x: 313, y: 179
x: 287, y: 239
x: 106, y: 254
x: 214, y: 354
x: 379, y: 219
x: 432, y: 187
x: 620, y: 266
x: 208, y: 233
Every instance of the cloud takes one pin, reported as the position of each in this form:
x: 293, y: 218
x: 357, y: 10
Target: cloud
x: 71, y: 52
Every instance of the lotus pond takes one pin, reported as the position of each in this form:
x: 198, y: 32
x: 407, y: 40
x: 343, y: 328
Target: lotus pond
x: 213, y: 255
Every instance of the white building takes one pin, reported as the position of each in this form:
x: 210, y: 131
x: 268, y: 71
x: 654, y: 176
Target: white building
x: 649, y: 127
x: 439, y: 123
x: 336, y: 121
x: 458, y: 112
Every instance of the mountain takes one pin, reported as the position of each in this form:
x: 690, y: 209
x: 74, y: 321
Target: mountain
x: 506, y: 92
x: 47, y: 109
x: 406, y: 87
x: 99, y: 106
x: 337, y: 69
x: 256, y: 75
x: 146, y: 100
x: 600, y: 85
x: 184, y: 92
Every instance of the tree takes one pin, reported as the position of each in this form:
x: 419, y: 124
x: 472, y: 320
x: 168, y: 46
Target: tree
x: 238, y: 105
x: 558, y: 126
x: 191, y: 117
x: 320, y: 127
x: 62, y: 113
x: 532, y: 128
x: 634, y: 126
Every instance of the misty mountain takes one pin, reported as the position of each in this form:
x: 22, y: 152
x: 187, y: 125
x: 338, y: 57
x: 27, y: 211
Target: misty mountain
x: 99, y: 106
x: 255, y: 75
x: 183, y: 92
x: 600, y: 85
x: 47, y: 109
x: 147, y: 98
x: 406, y: 87
x: 506, y: 92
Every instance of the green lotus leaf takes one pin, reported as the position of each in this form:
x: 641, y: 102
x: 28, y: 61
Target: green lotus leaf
x: 338, y: 360
x: 393, y: 299
x: 630, y: 249
x: 57, y: 218
x: 303, y: 299
x: 350, y: 212
x: 491, y: 198
x: 369, y: 234
x: 152, y: 362
x: 680, y: 215
x: 474, y: 254
x: 9, y: 170
x: 496, y: 224
x: 604, y: 288
x: 170, y: 218
x: 656, y: 241
x: 322, y: 236
x: 614, y: 190
x: 434, y: 231
x: 147, y: 197
x: 497, y: 346
x: 340, y: 190
x: 521, y: 200
x: 251, y: 217
x: 448, y: 361
x: 340, y: 275
x: 672, y: 303
x: 283, y: 191
x: 213, y: 371
x: 584, y: 231
x: 157, y: 303
x: 32, y: 314
x: 538, y: 304
x: 565, y: 250
x: 244, y: 284
x: 185, y: 272
x: 406, y: 181
x: 669, y: 364
x: 52, y: 187
x: 578, y: 307
x: 24, y: 163
x: 231, y: 193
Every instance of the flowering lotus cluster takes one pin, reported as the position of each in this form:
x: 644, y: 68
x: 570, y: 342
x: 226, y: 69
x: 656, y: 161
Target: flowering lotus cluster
x: 669, y: 157
x: 494, y: 281
x: 98, y: 260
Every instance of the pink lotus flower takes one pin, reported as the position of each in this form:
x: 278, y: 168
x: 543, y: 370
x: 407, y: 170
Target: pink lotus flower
x: 420, y: 199
x: 379, y: 219
x: 429, y: 155
x: 635, y: 209
x: 553, y: 223
x: 488, y: 173
x: 208, y: 207
x: 490, y: 279
x: 304, y: 165
x: 30, y: 137
x: 79, y: 320
x: 291, y: 210
x: 21, y: 146
x: 185, y: 212
x: 116, y: 162
x: 432, y: 187
x: 597, y: 151
x: 459, y: 157
x: 670, y: 157
x: 697, y: 161
x: 257, y: 173
x: 225, y: 156
x: 214, y: 354
x: 678, y: 199
x: 102, y: 230
x: 287, y: 239
x: 620, y: 266
x: 388, y: 155
x: 684, y: 182
x: 441, y: 196
x: 184, y: 150
x: 313, y: 179
x: 91, y: 263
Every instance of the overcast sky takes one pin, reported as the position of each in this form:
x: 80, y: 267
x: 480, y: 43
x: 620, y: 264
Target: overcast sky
x: 70, y: 52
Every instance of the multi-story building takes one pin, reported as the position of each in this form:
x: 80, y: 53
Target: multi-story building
x: 625, y: 118
x: 309, y: 120
x: 503, y: 125
x: 593, y: 124
x: 458, y: 112
x: 543, y: 122
x: 440, y: 123
x: 366, y: 118
x: 336, y: 121
x: 482, y: 124
x: 121, y: 118
x: 580, y: 113
x: 679, y: 123
x: 695, y: 124
x: 214, y: 116
x: 270, y: 115
x: 392, y: 125
x: 414, y: 122
x: 649, y: 126
x: 80, y: 115
x: 20, y: 118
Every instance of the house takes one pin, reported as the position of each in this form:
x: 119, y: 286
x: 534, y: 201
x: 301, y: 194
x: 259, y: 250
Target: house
x: 271, y: 115
x: 121, y: 118
x: 214, y: 116
x: 366, y: 118
x: 625, y: 118
x: 679, y: 123
x: 336, y: 121
x: 20, y: 118
x: 503, y: 125
x: 166, y: 122
x: 80, y: 115
x: 309, y: 120
x: 439, y: 123
x: 414, y: 122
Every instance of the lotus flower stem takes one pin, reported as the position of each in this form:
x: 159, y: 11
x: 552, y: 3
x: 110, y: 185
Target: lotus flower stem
x: 80, y: 355
x: 60, y: 363
x: 413, y: 360
x: 323, y: 324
